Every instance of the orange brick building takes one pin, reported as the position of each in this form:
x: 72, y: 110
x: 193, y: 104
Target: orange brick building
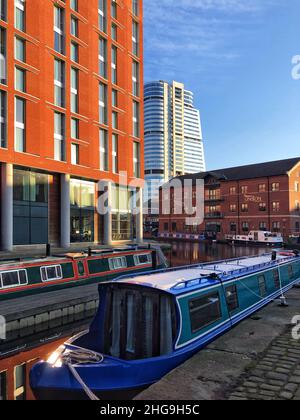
x: 237, y: 200
x: 71, y: 115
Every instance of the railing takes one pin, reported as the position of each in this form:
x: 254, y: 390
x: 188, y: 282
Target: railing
x: 215, y: 215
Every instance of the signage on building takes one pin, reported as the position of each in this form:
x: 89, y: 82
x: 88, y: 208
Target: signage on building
x: 252, y: 198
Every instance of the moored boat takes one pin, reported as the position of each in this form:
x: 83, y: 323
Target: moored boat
x: 37, y: 275
x: 149, y: 324
x: 260, y: 238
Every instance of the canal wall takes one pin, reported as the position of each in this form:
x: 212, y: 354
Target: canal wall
x: 259, y: 359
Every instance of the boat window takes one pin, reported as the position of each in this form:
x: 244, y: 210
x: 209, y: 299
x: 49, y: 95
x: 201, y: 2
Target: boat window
x: 52, y: 272
x: 139, y: 324
x: 291, y: 272
x: 262, y: 286
x: 276, y: 279
x: 204, y: 311
x: 142, y: 259
x: 13, y: 279
x: 232, y: 298
x: 117, y: 263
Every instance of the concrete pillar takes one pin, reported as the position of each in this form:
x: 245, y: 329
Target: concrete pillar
x: 108, y: 216
x: 7, y: 174
x: 139, y: 217
x: 65, y: 213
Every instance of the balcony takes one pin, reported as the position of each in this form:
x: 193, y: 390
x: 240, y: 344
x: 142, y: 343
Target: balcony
x: 214, y: 215
x: 212, y: 199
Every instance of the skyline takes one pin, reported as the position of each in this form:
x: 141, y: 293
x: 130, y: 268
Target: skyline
x: 239, y: 66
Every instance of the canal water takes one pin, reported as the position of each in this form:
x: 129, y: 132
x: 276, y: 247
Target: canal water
x: 19, y: 353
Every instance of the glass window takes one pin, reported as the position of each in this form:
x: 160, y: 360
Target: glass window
x: 232, y: 298
x: 75, y: 154
x: 135, y: 78
x: 115, y: 166
x: 3, y: 64
x: 102, y: 13
x: 59, y: 83
x: 3, y: 386
x: 103, y: 150
x: 136, y: 160
x: 114, y: 98
x: 204, y: 311
x: 103, y: 103
x: 3, y: 10
x: 20, y: 15
x: 103, y: 57
x: 114, y: 11
x: 115, y: 120
x: 74, y: 128
x: 74, y: 5
x: 50, y: 273
x: 114, y: 32
x: 135, y: 7
x: 20, y: 125
x: 20, y: 49
x: 3, y: 119
x: 114, y: 57
x: 262, y: 286
x: 74, y: 52
x: 59, y: 30
x: 59, y: 136
x: 136, y: 119
x: 74, y: 91
x: 20, y: 382
x: 74, y: 26
x: 20, y: 79
x: 135, y: 38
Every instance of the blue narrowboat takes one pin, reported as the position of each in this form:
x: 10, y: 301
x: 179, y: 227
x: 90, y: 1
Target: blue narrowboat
x: 149, y: 324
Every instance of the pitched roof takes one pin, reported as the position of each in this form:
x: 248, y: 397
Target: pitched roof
x: 258, y: 170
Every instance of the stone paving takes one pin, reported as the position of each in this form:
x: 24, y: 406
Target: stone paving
x: 276, y: 375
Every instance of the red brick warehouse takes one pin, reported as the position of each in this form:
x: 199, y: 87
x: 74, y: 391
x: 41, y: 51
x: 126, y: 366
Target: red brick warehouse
x: 237, y: 200
x: 71, y: 115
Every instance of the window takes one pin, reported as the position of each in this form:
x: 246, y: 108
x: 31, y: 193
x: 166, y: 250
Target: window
x: 115, y: 166
x: 13, y: 279
x: 262, y: 188
x: 232, y: 191
x: 74, y: 52
x: 233, y: 227
x: 275, y: 186
x: 103, y: 57
x: 245, y: 208
x: 135, y: 38
x: 276, y: 226
x: 117, y: 263
x: 263, y: 226
x: 276, y: 206
x: 114, y: 98
x: 20, y: 79
x: 3, y: 72
x: 74, y: 5
x: 59, y: 29
x: 136, y: 119
x: 114, y: 11
x: 114, y: 58
x: 3, y: 119
x: 232, y: 298
x: 245, y: 227
x: 136, y: 160
x: 114, y: 120
x: 59, y: 136
x: 102, y: 11
x: 3, y: 386
x: 135, y: 78
x: 244, y: 190
x: 291, y: 272
x: 3, y: 9
x: 142, y: 259
x: 20, y: 15
x: 262, y: 286
x: 74, y: 128
x: 297, y: 187
x: 20, y: 382
x: 74, y: 90
x: 20, y: 49
x: 75, y: 154
x: 135, y: 7
x: 262, y: 207
x: 20, y: 125
x: 50, y: 273
x: 114, y: 32
x: 297, y: 206
x: 276, y: 278
x: 233, y: 208
x: 103, y: 103
x: 103, y: 150
x: 59, y: 83
x: 204, y: 311
x: 74, y: 26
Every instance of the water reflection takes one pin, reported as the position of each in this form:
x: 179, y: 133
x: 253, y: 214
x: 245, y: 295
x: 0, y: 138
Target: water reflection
x: 187, y: 253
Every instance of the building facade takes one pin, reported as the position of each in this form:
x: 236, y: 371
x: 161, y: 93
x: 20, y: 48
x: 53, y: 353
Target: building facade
x: 237, y: 200
x: 173, y: 135
x: 71, y: 116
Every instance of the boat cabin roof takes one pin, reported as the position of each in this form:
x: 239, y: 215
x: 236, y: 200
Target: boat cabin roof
x: 200, y: 276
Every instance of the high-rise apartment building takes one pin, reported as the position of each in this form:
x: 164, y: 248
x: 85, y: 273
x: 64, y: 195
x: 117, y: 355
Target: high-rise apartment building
x: 173, y: 135
x: 71, y: 101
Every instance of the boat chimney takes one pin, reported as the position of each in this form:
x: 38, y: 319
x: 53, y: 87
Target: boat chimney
x: 90, y: 251
x: 274, y: 256
x: 48, y: 250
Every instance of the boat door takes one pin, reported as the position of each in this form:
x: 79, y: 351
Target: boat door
x: 81, y: 268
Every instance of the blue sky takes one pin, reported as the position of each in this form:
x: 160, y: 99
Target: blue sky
x: 236, y: 56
